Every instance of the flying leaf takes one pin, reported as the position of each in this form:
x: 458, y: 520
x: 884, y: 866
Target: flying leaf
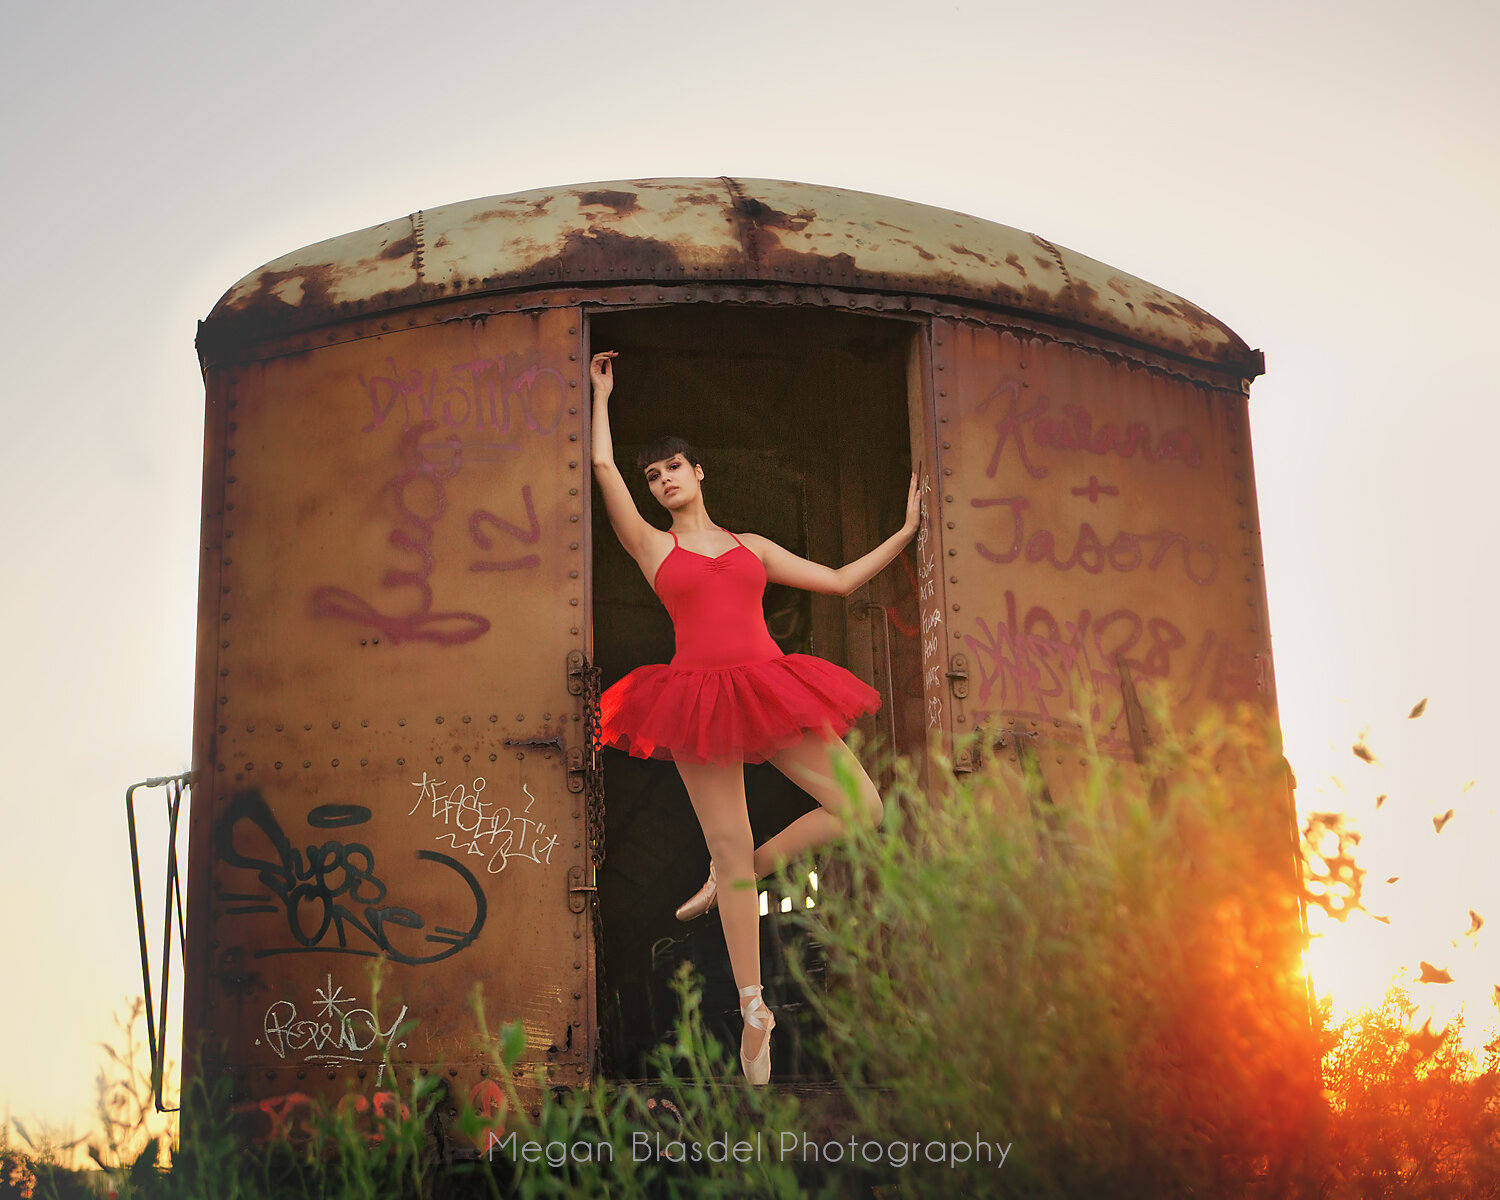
x: 1432, y: 974
x: 1439, y: 822
x: 1417, y: 709
x: 1364, y: 752
x: 1379, y: 800
x: 1476, y: 922
x: 1393, y: 879
x: 1382, y: 920
x: 1424, y: 1042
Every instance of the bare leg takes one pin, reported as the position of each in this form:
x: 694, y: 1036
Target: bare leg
x: 718, y: 797
x: 810, y: 765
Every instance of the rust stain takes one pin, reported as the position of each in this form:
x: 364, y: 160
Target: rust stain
x: 957, y: 249
x: 1014, y: 260
x: 1116, y: 286
x: 773, y: 218
x: 922, y: 253
x: 401, y: 248
x: 621, y: 202
x: 617, y: 254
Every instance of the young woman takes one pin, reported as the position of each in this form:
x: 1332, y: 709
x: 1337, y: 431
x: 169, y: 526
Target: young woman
x: 729, y: 695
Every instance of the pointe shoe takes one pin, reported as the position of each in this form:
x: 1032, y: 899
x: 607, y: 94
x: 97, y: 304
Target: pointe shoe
x: 757, y: 1016
x: 702, y: 900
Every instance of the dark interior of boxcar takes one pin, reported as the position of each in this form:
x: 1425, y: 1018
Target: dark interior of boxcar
x: 801, y: 418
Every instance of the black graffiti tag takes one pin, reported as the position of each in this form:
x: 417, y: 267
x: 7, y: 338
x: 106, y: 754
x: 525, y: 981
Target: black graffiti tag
x: 333, y: 887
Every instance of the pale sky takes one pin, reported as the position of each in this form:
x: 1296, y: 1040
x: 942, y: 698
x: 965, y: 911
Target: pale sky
x: 1322, y: 177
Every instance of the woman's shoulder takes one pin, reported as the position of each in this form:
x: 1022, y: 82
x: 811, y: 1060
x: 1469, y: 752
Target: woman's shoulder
x: 759, y: 544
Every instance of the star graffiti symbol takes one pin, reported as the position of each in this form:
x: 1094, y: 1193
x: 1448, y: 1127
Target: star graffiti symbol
x: 332, y: 999
x: 1096, y: 489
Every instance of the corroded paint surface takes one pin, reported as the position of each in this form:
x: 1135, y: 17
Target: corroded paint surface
x: 398, y: 586
x: 1096, y: 538
x: 675, y: 230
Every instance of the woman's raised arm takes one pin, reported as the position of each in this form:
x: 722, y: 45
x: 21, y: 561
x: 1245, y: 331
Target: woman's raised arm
x: 630, y: 527
x: 782, y: 566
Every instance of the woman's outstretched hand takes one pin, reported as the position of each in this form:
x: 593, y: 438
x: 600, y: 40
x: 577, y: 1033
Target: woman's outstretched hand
x: 601, y: 373
x: 913, y: 508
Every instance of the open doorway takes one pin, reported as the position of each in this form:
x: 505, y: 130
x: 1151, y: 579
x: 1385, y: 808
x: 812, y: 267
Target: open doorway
x: 801, y: 417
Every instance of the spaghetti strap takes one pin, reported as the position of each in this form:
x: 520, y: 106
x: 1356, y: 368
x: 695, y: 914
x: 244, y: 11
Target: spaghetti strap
x: 675, y: 542
x: 736, y: 538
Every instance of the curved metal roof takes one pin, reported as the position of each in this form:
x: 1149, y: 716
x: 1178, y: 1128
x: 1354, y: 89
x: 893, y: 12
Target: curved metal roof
x: 755, y: 231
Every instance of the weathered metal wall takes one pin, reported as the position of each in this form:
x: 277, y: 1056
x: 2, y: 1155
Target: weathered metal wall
x: 395, y: 584
x: 1094, y: 529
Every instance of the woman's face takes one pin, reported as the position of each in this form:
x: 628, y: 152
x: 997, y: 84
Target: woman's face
x: 673, y: 481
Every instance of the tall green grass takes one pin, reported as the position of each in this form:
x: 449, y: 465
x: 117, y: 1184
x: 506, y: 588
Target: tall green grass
x: 1109, y: 988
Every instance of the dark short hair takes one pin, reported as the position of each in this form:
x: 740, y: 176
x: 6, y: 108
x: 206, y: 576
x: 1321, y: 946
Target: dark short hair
x: 663, y: 448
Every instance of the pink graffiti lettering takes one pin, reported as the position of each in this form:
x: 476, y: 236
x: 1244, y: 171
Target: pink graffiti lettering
x: 529, y: 535
x: 1039, y: 666
x: 479, y: 392
x: 413, y: 536
x: 1074, y: 430
x: 1035, y: 665
x: 1124, y: 552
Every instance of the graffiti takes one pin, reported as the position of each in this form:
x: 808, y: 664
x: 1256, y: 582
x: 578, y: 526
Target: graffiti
x: 332, y: 889
x: 339, y: 1033
x: 1074, y: 429
x: 420, y: 498
x: 1095, y: 489
x: 1124, y: 552
x: 289, y: 1116
x: 528, y: 535
x: 1037, y: 665
x: 931, y: 618
x: 483, y: 393
x: 282, y: 1114
x: 472, y: 820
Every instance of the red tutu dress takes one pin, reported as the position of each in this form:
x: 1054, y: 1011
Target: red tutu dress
x: 729, y: 694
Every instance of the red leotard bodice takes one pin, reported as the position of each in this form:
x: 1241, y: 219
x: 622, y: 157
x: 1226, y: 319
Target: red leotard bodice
x: 715, y: 606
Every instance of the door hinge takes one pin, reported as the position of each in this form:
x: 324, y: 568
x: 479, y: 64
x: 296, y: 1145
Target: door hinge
x: 578, y: 891
x: 958, y: 676
x: 576, y: 768
x: 577, y: 664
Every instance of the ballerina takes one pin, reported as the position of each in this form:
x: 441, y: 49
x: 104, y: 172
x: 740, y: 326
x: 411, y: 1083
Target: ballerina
x: 730, y: 696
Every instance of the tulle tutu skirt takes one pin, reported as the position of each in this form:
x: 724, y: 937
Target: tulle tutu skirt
x: 743, y: 713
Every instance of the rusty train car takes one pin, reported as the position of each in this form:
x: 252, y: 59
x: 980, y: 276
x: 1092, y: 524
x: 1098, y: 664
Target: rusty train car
x: 408, y: 600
